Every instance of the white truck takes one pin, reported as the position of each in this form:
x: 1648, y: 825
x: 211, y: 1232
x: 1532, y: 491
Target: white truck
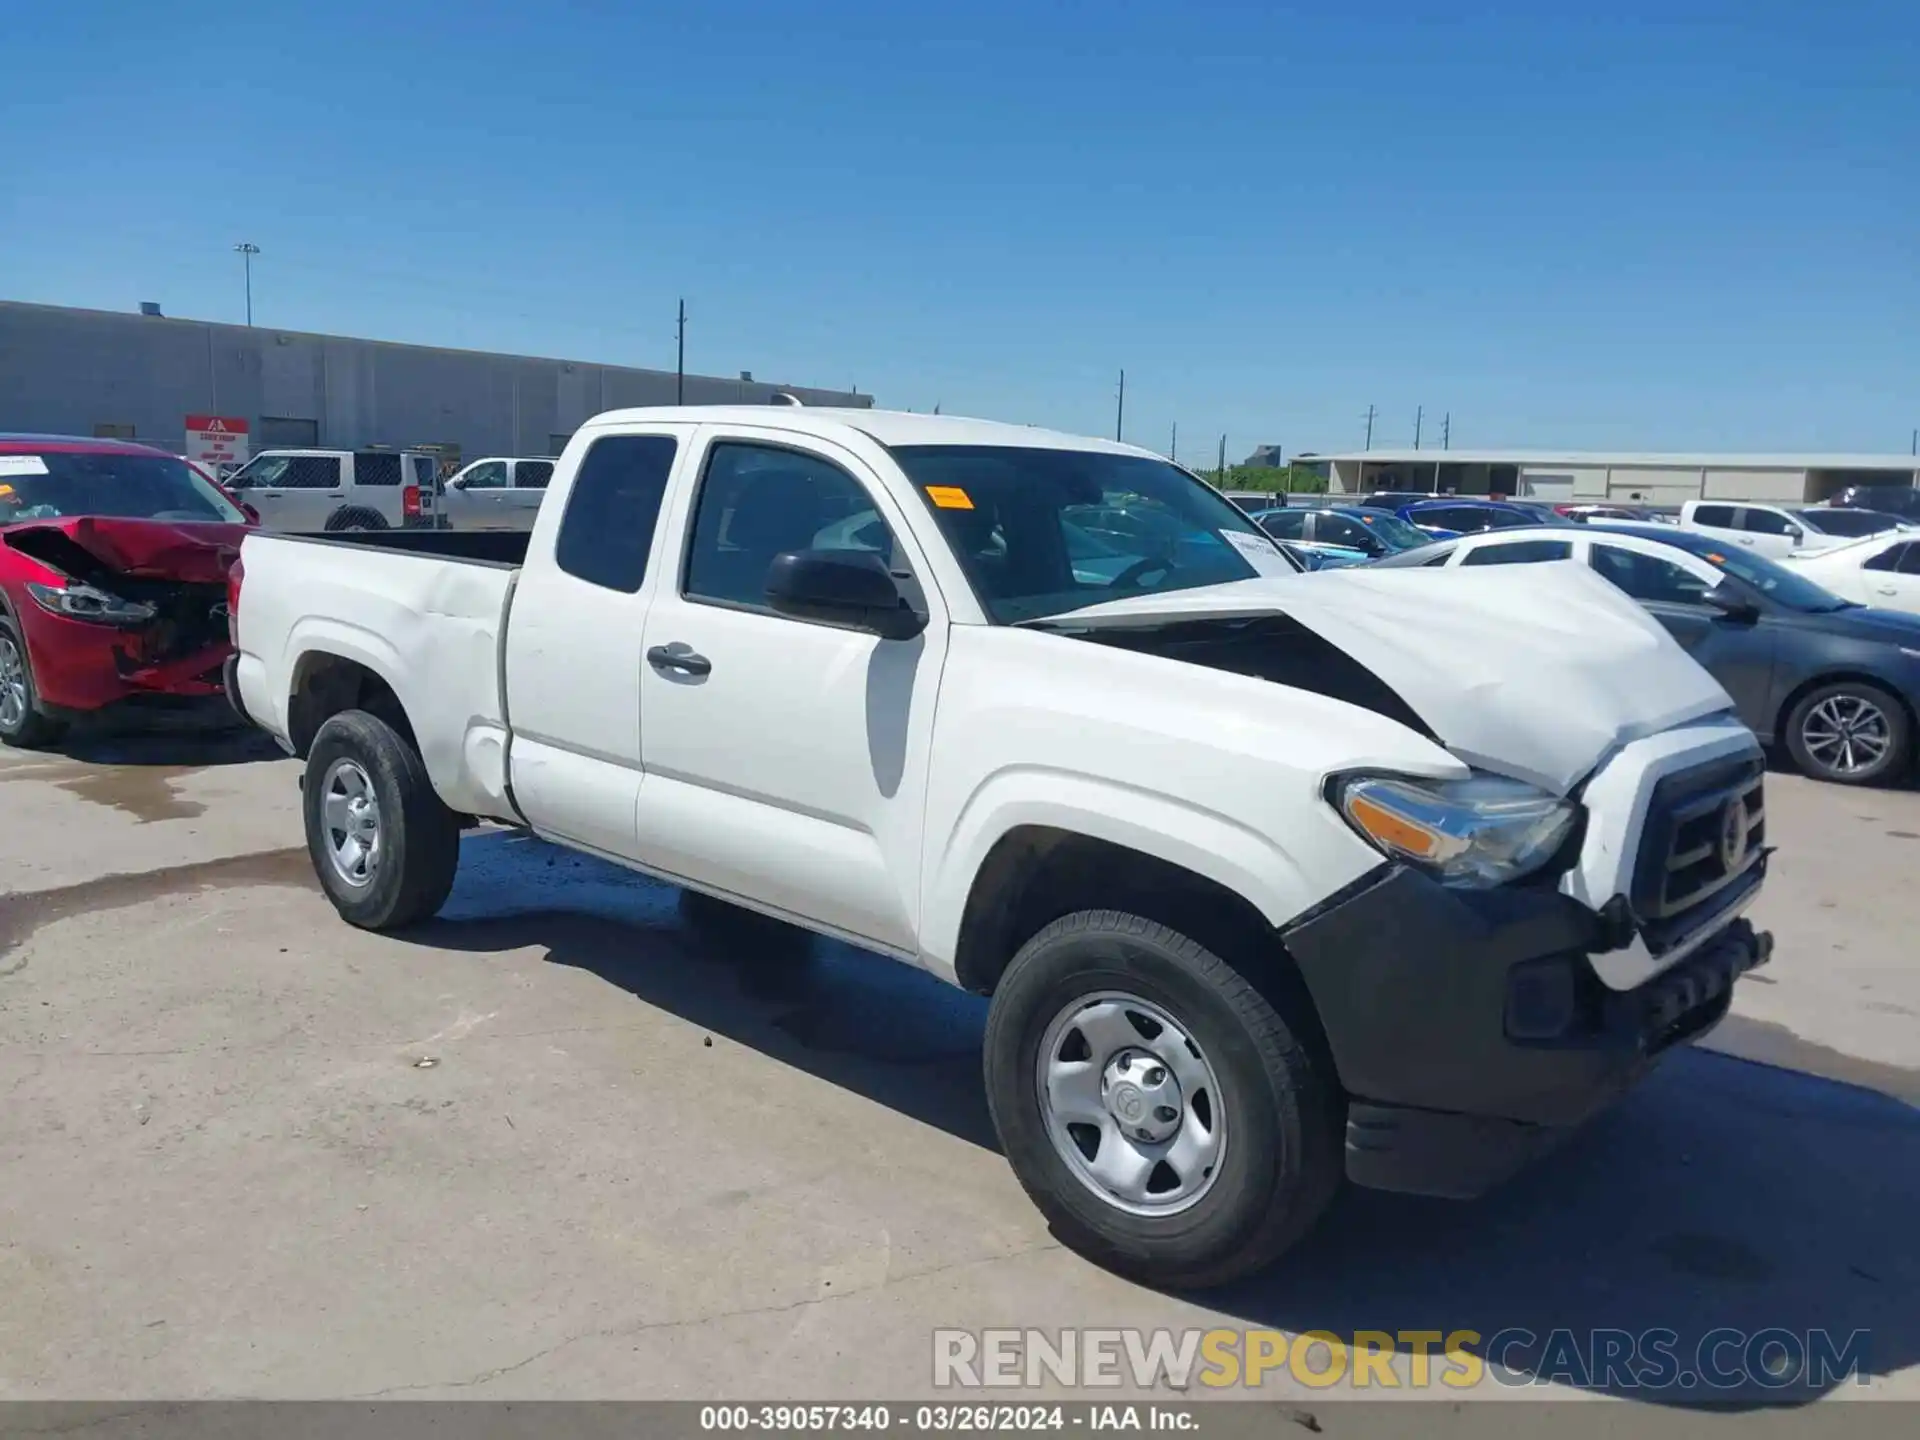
x: 1273, y: 879
x: 498, y: 492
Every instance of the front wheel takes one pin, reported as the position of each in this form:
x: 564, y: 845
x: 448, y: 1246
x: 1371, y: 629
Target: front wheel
x: 1161, y: 1113
x: 21, y: 723
x: 1850, y: 733
x: 382, y: 842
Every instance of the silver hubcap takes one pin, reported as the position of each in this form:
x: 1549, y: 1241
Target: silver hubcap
x: 13, y: 683
x: 1131, y: 1104
x: 350, y: 818
x: 1847, y: 734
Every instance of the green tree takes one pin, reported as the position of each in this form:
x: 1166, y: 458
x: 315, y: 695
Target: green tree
x: 1289, y: 479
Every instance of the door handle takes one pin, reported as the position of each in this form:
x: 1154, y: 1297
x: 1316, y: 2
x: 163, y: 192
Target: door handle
x: 336, y: 494
x: 1887, y: 589
x: 678, y: 657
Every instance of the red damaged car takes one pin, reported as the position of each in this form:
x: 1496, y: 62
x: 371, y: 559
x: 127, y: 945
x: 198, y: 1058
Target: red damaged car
x: 113, y: 580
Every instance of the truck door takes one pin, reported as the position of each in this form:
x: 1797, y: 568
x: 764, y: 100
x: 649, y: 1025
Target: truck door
x: 786, y: 760
x: 476, y: 497
x: 574, y: 632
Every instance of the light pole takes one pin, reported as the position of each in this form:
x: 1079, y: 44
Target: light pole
x: 680, y: 358
x: 246, y: 250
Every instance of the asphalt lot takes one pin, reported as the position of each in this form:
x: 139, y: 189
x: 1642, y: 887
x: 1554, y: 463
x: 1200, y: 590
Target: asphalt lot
x: 551, y: 1146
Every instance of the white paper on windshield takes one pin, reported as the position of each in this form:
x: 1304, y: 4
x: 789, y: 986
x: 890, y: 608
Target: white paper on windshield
x: 1260, y: 552
x: 22, y: 465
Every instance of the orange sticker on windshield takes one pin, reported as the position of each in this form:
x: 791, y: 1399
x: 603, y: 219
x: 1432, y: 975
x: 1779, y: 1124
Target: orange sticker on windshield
x: 1717, y: 559
x: 949, y: 497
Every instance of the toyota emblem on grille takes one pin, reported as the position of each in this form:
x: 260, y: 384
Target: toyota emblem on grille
x: 1733, y: 835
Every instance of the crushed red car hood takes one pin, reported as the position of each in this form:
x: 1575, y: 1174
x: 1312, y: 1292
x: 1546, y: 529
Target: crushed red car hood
x: 149, y: 549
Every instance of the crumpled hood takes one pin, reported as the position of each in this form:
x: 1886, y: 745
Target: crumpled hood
x: 1532, y: 671
x: 148, y: 549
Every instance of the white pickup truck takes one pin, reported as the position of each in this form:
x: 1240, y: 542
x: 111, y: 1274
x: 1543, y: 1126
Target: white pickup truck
x: 1272, y: 878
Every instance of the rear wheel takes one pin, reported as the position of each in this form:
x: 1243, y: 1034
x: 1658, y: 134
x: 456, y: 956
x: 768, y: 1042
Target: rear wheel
x: 383, y: 844
x: 1161, y: 1113
x: 1850, y: 733
x: 21, y: 723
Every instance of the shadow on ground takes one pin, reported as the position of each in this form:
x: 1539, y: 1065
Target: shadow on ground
x: 1722, y: 1199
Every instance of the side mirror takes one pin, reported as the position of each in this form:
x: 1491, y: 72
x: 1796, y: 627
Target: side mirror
x: 852, y: 588
x: 1796, y: 534
x: 1732, y: 606
x: 457, y: 483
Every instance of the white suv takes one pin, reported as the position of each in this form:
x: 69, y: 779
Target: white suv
x: 311, y: 491
x: 1779, y: 529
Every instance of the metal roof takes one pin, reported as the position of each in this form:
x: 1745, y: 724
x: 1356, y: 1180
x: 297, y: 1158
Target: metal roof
x: 1625, y: 459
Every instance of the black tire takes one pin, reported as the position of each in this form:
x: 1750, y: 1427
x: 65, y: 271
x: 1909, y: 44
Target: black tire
x: 1818, y: 705
x: 1282, y: 1161
x: 419, y: 837
x: 353, y: 518
x: 31, y: 730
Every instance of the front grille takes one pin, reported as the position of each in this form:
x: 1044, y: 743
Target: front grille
x: 1705, y: 828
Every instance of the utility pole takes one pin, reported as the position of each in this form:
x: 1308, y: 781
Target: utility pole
x: 680, y: 358
x: 1446, y: 432
x: 246, y: 249
x: 1220, y: 475
x: 1370, y: 414
x: 1419, y: 411
x: 1120, y: 411
x: 1915, y: 450
x: 1173, y: 450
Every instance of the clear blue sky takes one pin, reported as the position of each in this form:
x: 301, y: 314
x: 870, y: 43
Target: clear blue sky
x: 1663, y: 224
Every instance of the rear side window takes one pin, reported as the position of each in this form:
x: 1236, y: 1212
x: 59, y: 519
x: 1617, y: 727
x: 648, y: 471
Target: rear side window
x: 1764, y: 522
x: 1520, y: 552
x: 532, y: 474
x: 1285, y: 524
x: 1721, y: 515
x: 1904, y: 558
x: 306, y: 472
x: 607, y: 532
x: 376, y: 469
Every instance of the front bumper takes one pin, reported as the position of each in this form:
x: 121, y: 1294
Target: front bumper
x: 80, y: 667
x: 1472, y: 1030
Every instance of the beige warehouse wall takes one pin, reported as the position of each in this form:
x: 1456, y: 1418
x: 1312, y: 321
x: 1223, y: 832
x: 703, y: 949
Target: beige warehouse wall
x: 1778, y: 486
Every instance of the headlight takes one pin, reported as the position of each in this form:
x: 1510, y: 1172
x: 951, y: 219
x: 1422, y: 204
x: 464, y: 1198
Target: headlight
x: 1474, y: 833
x: 83, y: 602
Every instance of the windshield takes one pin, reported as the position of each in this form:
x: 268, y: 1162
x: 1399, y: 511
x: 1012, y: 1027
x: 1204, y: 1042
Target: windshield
x: 55, y: 485
x: 1776, y: 582
x: 1042, y: 532
x: 1394, y: 532
x: 1851, y: 523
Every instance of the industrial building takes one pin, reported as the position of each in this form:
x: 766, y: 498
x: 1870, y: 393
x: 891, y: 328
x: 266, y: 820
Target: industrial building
x: 1652, y: 479
x: 141, y: 375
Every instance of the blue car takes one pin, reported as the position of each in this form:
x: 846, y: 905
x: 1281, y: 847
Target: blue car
x: 1370, y: 533
x: 1447, y: 518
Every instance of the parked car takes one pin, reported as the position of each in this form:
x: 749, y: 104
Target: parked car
x: 310, y: 491
x: 1902, y: 499
x: 1248, y: 861
x: 113, y: 567
x: 1582, y: 514
x: 1780, y: 530
x: 497, y: 493
x: 1369, y: 533
x: 1882, y: 571
x: 1466, y: 517
x: 1836, y: 684
x: 1312, y: 556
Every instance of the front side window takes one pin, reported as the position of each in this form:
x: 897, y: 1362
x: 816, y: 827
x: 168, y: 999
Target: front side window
x: 1720, y: 516
x: 758, y: 502
x: 1394, y: 532
x: 1339, y: 530
x: 1765, y: 522
x: 1648, y: 578
x: 1853, y: 524
x: 128, y: 487
x: 289, y: 472
x: 488, y: 475
x: 1519, y: 552
x: 1020, y: 521
x: 1892, y: 558
x: 607, y: 531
